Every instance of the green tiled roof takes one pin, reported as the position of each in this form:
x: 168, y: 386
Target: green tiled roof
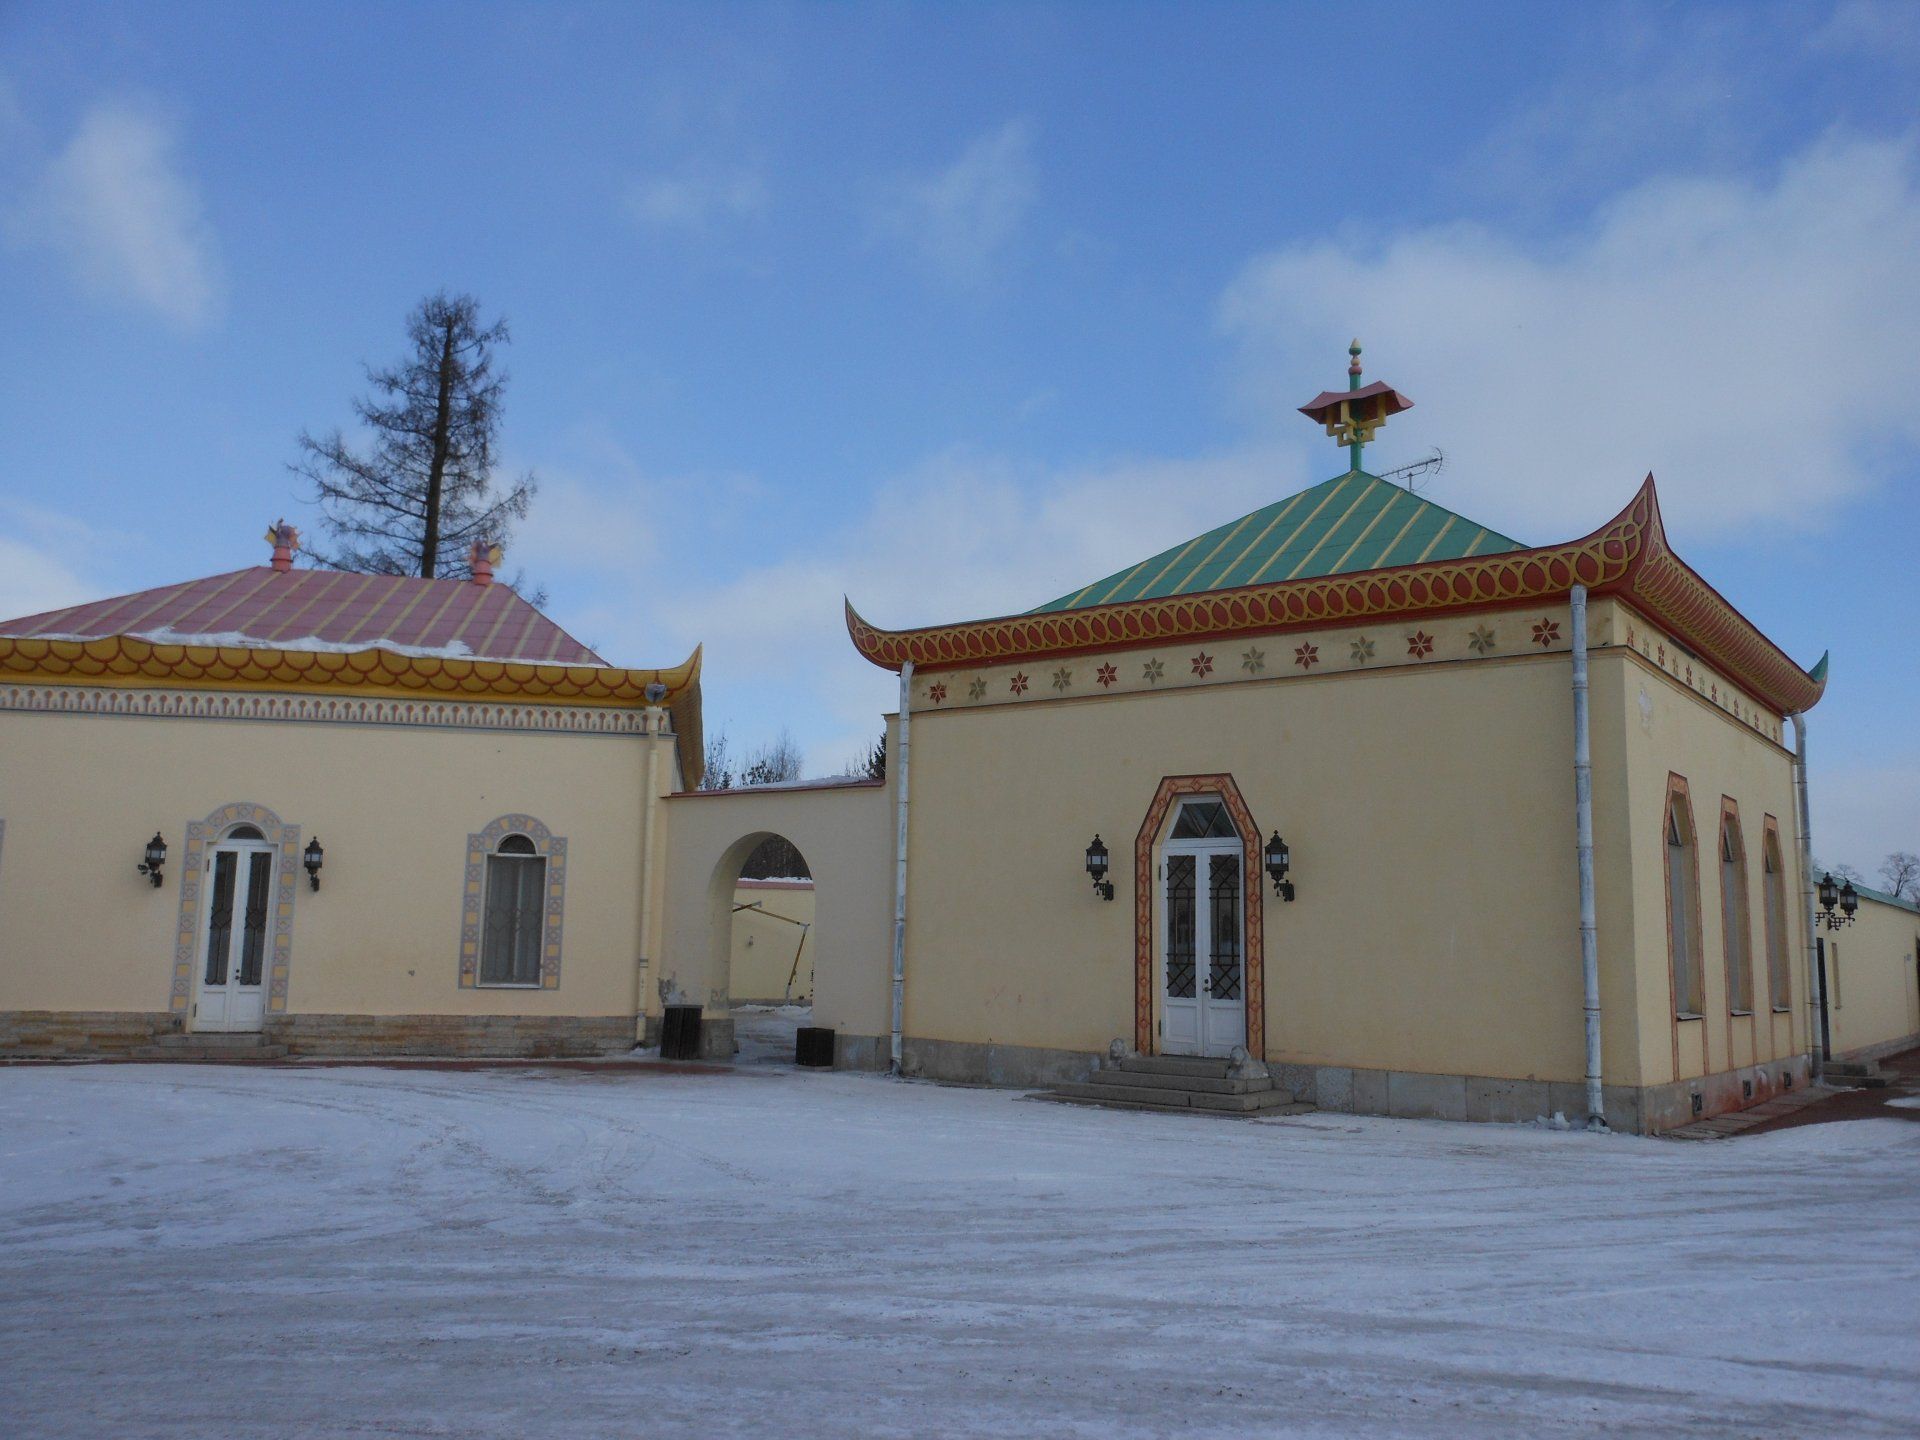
x: 1352, y: 522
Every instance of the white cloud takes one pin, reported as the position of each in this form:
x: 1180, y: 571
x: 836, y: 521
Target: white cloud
x: 1749, y: 343
x: 115, y: 204
x: 43, y: 555
x: 963, y: 219
x: 696, y: 200
x: 956, y: 537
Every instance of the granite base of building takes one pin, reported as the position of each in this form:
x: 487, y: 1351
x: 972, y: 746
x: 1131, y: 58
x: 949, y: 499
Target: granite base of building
x: 1868, y: 1054
x: 531, y: 1037
x: 1402, y: 1094
x: 964, y: 1062
x: 57, y: 1034
x: 1487, y: 1099
x: 862, y: 1052
x: 1633, y: 1109
x: 1664, y: 1107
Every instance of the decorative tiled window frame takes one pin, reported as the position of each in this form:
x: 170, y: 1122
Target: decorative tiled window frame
x: 473, y: 900
x: 201, y: 834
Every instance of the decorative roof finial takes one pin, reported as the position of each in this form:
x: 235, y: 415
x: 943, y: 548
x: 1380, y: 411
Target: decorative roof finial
x: 1352, y: 415
x: 285, y: 539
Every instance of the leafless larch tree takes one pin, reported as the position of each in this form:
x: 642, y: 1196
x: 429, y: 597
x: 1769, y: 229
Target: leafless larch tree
x: 424, y: 488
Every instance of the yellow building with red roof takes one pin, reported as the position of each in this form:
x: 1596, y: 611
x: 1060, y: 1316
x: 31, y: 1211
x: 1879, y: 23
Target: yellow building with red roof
x: 387, y: 813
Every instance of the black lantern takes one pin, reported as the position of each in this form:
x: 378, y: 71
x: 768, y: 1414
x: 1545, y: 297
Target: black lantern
x: 315, y: 857
x: 1837, y: 902
x: 1097, y: 868
x: 1279, y: 860
x: 155, y: 857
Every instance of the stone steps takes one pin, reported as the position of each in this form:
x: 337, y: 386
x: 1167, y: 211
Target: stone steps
x: 1167, y: 1098
x: 1284, y: 1104
x: 201, y: 1047
x: 1858, y: 1076
x: 1180, y: 1084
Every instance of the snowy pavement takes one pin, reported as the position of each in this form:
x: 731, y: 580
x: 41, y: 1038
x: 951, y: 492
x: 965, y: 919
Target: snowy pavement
x: 240, y: 1252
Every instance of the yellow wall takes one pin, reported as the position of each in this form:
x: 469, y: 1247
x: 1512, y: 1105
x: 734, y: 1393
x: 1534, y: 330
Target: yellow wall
x: 80, y: 930
x: 1430, y: 813
x: 1872, y: 995
x: 1669, y: 729
x: 773, y: 955
x: 845, y: 834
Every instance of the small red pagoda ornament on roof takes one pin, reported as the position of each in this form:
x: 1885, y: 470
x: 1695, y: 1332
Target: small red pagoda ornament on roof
x: 1352, y: 415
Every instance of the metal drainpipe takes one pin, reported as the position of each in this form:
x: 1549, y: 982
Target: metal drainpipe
x: 900, y: 867
x: 1583, y: 812
x: 643, y: 963
x: 1816, y: 1002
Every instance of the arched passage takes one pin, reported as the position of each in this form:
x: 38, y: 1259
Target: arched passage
x: 843, y: 831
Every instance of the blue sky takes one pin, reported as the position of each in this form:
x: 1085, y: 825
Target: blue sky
x: 953, y: 308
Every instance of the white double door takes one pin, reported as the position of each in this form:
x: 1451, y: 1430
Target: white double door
x: 230, y: 987
x: 1203, y: 966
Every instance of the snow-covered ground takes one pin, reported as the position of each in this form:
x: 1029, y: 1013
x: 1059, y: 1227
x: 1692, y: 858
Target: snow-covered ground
x: 197, y: 1251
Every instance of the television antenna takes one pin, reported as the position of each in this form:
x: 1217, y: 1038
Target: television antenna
x: 1406, y: 474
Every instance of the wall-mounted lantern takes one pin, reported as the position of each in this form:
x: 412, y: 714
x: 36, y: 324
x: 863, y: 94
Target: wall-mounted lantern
x: 154, y: 858
x: 1097, y: 868
x: 1279, y: 859
x: 315, y: 857
x: 1845, y: 897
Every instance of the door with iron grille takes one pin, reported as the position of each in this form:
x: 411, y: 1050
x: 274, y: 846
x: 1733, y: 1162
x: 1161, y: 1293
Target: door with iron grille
x: 230, y: 989
x: 1203, y: 1007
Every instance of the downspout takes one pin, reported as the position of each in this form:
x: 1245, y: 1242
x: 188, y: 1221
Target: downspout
x: 1583, y: 812
x: 900, y: 868
x: 644, y: 961
x: 1816, y: 997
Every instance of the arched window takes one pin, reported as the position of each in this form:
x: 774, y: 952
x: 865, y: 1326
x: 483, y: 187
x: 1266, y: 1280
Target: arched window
x: 1683, y: 907
x: 1774, y: 894
x: 1735, y: 938
x: 245, y: 832
x: 515, y: 913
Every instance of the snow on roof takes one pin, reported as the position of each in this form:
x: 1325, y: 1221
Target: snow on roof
x: 322, y: 610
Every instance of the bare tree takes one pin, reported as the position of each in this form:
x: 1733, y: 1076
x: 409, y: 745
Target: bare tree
x: 774, y: 763
x: 1901, y: 871
x: 1842, y: 871
x: 776, y: 858
x: 718, y: 771
x: 425, y: 489
x: 873, y: 764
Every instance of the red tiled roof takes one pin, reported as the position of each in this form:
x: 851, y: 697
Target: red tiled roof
x: 322, y: 609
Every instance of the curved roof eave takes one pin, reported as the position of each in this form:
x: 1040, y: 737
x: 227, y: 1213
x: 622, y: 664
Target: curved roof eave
x: 1628, y: 557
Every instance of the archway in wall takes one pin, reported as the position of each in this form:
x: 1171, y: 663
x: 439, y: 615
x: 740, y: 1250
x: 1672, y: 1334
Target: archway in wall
x: 770, y: 944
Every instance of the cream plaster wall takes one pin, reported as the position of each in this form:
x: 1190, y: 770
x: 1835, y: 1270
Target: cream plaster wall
x: 1430, y: 813
x: 1874, y: 998
x: 80, y: 930
x: 845, y: 832
x: 769, y: 959
x: 1670, y: 729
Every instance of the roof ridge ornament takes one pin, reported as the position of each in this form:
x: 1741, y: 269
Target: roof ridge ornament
x: 1352, y: 416
x: 285, y: 539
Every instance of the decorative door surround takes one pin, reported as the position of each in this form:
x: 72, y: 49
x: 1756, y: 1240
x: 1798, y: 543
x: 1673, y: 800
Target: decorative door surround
x: 1172, y: 788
